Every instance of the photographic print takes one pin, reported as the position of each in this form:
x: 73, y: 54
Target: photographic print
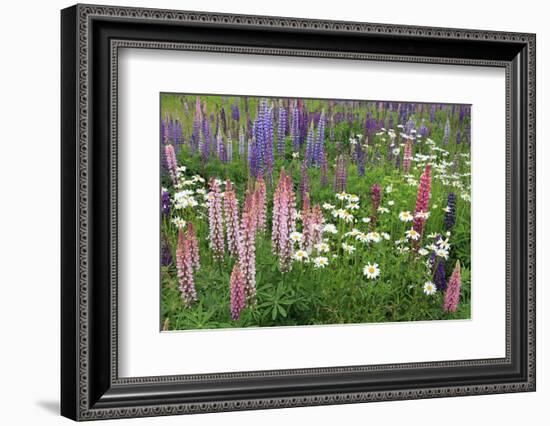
x: 297, y: 212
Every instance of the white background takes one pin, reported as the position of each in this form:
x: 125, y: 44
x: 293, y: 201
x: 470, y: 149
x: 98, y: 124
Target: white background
x: 140, y: 343
x: 29, y: 217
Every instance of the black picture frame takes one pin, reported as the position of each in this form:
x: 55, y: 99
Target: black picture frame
x: 90, y: 38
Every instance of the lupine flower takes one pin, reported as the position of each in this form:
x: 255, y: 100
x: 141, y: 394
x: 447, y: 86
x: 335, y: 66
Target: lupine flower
x: 450, y: 211
x: 237, y: 292
x: 235, y: 112
x: 171, y: 162
x: 205, y: 139
x: 284, y: 221
x: 446, y: 132
x: 407, y: 156
x: 295, y: 128
x: 232, y: 224
x: 241, y: 142
x: 319, y: 150
x: 247, y: 257
x: 439, y: 273
x: 165, y: 202
x: 166, y: 258
x: 281, y: 132
x: 197, y: 124
x: 229, y: 148
x: 193, y: 246
x: 340, y: 174
x: 310, y: 146
x: 185, y: 270
x: 215, y: 219
x: 452, y: 295
x: 260, y: 203
x: 422, y: 200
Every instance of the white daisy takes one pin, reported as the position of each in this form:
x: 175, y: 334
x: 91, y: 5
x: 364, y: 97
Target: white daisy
x: 352, y: 206
x: 383, y: 210
x: 371, y: 271
x: 405, y: 216
x: 322, y: 247
x: 179, y: 222
x: 348, y: 248
x: 374, y: 237
x: 295, y: 237
x: 429, y: 288
x: 300, y: 255
x: 328, y: 206
x: 330, y: 228
x: 366, y: 220
x: 423, y: 252
x: 320, y: 262
x: 341, y: 195
x: 412, y: 234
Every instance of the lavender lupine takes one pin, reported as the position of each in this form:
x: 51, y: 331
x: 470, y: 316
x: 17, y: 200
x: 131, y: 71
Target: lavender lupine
x: 450, y: 213
x: 319, y: 149
x: 281, y: 131
x: 340, y: 174
x: 171, y: 162
x: 232, y: 223
x: 310, y: 145
x: 432, y: 113
x: 193, y: 245
x: 185, y: 270
x: 237, y: 292
x: 235, y: 112
x: 197, y: 124
x: 446, y: 132
x: 247, y: 256
x: 215, y: 220
x: 206, y: 139
x: 452, y: 295
x: 295, y: 128
x: 254, y: 162
x: 422, y: 200
x: 423, y: 130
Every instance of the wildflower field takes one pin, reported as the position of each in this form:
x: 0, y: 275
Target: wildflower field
x: 285, y: 212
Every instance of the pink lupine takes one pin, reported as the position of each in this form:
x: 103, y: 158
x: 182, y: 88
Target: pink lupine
x: 422, y: 200
x: 307, y: 225
x: 284, y: 221
x: 317, y: 220
x: 231, y: 210
x: 237, y: 292
x: 215, y: 219
x: 247, y: 254
x: 407, y: 156
x: 376, y: 197
x: 184, y: 266
x: 171, y: 162
x: 452, y: 295
x: 260, y: 203
x: 193, y: 245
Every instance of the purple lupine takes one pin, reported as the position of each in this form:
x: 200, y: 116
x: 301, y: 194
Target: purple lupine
x: 450, y: 212
x: 340, y: 174
x: 319, y: 141
x: 310, y: 145
x: 206, y: 139
x: 423, y: 130
x: 269, y: 142
x: 458, y: 137
x: 446, y: 132
x: 295, y: 128
x: 166, y: 253
x: 432, y: 113
x: 452, y: 295
x: 254, y: 163
x: 197, y: 125
x: 237, y: 292
x: 440, y: 280
x: 165, y: 202
x: 223, y: 120
x: 281, y: 131
x: 235, y: 112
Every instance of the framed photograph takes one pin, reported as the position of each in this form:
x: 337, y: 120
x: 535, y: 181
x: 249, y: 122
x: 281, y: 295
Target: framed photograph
x: 263, y: 212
